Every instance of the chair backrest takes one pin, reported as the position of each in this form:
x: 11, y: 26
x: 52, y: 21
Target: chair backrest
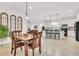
x: 36, y: 39
x: 13, y: 33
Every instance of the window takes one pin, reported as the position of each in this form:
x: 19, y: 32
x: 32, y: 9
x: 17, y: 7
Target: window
x: 4, y: 19
x: 12, y: 23
x: 19, y: 23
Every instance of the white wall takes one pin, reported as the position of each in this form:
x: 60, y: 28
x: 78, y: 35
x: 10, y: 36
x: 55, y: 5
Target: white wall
x: 14, y: 12
x: 69, y: 21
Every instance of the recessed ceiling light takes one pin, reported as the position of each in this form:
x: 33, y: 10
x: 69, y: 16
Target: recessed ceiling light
x: 70, y: 15
x: 26, y: 17
x: 70, y: 11
x: 30, y: 7
x: 40, y: 24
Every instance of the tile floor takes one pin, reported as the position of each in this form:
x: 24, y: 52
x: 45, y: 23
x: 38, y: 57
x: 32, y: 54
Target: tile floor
x: 66, y: 46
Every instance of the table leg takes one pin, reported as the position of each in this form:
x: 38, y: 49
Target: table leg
x: 26, y: 48
x: 40, y: 46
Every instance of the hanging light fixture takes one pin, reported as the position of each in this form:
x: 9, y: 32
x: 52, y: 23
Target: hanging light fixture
x: 50, y: 19
x: 44, y: 21
x: 57, y: 15
x: 26, y: 11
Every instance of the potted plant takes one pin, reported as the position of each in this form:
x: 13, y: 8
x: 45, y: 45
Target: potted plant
x: 3, y: 32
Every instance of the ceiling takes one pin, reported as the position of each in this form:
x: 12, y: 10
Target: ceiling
x: 41, y: 9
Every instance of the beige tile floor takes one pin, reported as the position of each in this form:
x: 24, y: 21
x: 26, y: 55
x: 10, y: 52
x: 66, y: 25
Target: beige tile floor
x: 67, y: 46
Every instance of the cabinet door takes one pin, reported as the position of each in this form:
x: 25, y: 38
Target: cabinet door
x: 19, y: 23
x: 12, y: 23
x: 4, y: 19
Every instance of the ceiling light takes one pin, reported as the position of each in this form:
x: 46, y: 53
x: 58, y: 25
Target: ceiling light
x: 70, y: 11
x: 30, y: 7
x: 26, y: 11
x: 40, y: 24
x: 26, y: 17
x: 70, y: 15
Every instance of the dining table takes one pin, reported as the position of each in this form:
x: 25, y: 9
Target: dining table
x: 25, y: 38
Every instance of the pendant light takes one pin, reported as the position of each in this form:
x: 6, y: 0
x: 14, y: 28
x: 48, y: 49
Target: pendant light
x: 26, y: 11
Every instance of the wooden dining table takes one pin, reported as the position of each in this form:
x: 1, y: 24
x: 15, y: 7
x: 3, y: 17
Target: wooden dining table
x: 25, y: 38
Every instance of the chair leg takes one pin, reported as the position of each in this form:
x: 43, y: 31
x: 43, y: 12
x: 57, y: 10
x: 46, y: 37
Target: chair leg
x: 12, y: 50
x: 33, y: 52
x: 40, y: 50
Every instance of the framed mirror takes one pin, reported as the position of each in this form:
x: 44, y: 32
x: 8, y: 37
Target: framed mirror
x: 12, y: 23
x: 19, y: 23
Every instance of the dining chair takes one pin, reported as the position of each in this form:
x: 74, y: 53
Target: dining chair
x: 16, y: 43
x: 36, y: 41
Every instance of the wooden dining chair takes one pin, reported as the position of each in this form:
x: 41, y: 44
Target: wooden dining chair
x: 16, y: 43
x: 36, y: 41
